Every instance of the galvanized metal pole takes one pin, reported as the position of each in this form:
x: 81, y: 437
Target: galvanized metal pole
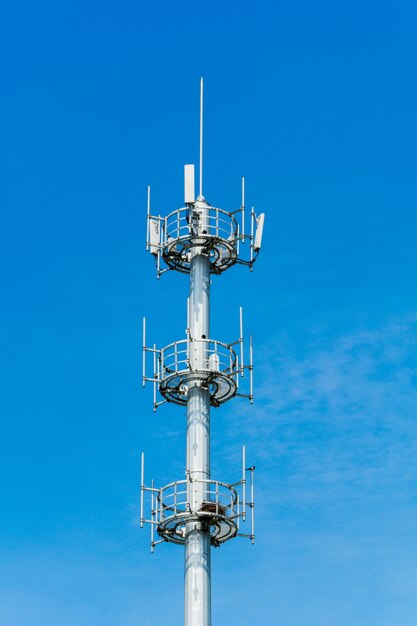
x: 197, y: 601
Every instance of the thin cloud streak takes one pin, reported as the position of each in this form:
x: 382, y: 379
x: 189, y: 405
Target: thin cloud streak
x: 339, y: 415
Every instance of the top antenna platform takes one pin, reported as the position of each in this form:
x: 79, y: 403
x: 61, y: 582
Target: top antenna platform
x: 201, y: 228
x: 199, y: 225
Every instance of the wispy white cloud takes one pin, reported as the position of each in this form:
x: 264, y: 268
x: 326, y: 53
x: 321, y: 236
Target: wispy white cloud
x: 338, y: 414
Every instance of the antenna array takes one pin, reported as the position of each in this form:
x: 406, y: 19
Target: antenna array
x: 199, y: 372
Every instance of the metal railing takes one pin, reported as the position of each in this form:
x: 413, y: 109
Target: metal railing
x: 213, y: 230
x: 204, y: 497
x: 217, y: 232
x: 215, y: 357
x: 212, y: 364
x: 182, y: 223
x: 219, y: 506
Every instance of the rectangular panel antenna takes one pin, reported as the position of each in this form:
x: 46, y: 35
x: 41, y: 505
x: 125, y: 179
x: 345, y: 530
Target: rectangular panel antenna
x: 154, y: 236
x: 189, y: 193
x: 259, y: 230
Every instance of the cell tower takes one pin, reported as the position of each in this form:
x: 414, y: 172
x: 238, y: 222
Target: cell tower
x: 199, y: 372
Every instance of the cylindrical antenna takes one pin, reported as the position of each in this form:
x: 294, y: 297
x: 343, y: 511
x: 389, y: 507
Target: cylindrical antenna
x: 159, y: 509
x: 252, y: 497
x: 158, y: 262
x: 242, y: 362
x: 187, y: 356
x: 201, y: 134
x: 252, y: 222
x: 154, y: 377
x: 251, y: 369
x: 243, y: 482
x: 243, y: 209
x: 148, y: 217
x: 152, y: 517
x: 144, y: 352
x: 142, y: 487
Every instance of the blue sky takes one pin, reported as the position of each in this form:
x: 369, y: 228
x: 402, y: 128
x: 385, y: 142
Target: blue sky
x: 315, y: 104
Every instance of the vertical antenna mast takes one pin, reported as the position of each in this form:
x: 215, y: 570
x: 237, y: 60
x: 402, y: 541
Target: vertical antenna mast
x: 201, y: 135
x: 199, y: 373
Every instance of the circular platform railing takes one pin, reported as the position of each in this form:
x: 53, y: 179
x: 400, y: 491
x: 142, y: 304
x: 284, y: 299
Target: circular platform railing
x: 211, y: 364
x: 212, y: 503
x: 213, y: 230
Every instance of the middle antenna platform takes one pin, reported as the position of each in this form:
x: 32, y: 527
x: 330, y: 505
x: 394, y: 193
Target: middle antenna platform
x: 177, y: 373
x: 207, y: 363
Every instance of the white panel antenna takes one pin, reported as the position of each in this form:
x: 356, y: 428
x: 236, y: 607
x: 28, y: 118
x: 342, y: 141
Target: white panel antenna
x: 189, y: 194
x: 154, y: 236
x: 259, y: 230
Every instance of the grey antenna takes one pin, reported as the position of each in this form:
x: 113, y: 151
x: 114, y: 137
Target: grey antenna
x: 148, y: 217
x: 243, y: 209
x: 144, y: 352
x: 241, y: 339
x: 199, y: 372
